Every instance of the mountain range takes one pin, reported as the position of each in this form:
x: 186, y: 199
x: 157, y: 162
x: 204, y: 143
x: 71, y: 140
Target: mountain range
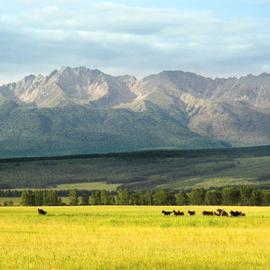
x: 79, y: 111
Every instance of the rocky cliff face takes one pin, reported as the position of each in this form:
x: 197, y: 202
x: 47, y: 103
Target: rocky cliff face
x: 170, y: 109
x: 68, y: 87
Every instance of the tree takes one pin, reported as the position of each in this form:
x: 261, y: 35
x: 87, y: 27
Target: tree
x: 94, y: 199
x: 122, y: 197
x: 145, y: 198
x: 39, y: 197
x: 8, y: 203
x: 197, y: 196
x: 105, y: 197
x: 73, y: 197
x: 161, y: 197
x: 134, y: 199
x: 230, y: 196
x: 256, y: 197
x: 85, y: 199
x: 181, y: 198
x: 148, y: 198
x: 213, y: 197
x: 51, y: 197
x: 245, y: 195
x: 266, y: 197
x: 141, y: 198
x: 27, y: 198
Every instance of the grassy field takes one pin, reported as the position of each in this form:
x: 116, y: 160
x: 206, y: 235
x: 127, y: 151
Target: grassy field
x: 132, y: 237
x: 141, y: 170
x: 81, y: 186
x: 88, y: 186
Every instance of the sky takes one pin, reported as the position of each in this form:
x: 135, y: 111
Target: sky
x: 215, y: 38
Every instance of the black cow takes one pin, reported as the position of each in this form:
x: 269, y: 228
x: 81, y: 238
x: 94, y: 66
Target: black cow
x: 166, y: 213
x: 191, y: 213
x: 178, y: 213
x: 208, y: 213
x: 237, y: 214
x: 42, y: 212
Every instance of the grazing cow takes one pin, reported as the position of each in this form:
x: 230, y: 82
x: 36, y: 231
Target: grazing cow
x: 237, y: 214
x: 166, y: 213
x: 208, y: 213
x: 217, y: 214
x: 222, y: 213
x: 191, y: 213
x: 241, y: 213
x: 42, y: 212
x: 178, y: 213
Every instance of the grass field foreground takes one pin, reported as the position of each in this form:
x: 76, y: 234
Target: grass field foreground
x: 132, y: 237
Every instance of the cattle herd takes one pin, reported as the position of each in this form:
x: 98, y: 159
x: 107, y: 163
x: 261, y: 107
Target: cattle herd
x: 219, y: 212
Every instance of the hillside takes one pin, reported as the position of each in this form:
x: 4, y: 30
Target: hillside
x: 142, y: 170
x: 84, y: 111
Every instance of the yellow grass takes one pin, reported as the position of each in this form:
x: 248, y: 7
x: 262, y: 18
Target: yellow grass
x: 130, y: 237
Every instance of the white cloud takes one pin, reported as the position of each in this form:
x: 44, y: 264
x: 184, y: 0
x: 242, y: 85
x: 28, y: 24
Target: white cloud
x: 121, y: 37
x: 260, y: 2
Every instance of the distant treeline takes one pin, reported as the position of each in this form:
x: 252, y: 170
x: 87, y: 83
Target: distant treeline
x: 244, y: 195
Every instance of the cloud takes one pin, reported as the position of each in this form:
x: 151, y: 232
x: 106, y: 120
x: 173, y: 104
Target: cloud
x: 123, y: 38
x: 260, y: 2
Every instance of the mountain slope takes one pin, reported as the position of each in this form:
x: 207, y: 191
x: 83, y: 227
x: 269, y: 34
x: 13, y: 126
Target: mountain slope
x: 80, y: 129
x: 78, y: 110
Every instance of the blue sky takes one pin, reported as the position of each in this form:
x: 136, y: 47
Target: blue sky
x: 210, y: 37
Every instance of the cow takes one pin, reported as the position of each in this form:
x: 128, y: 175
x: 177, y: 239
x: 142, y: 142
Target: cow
x: 178, y: 213
x: 191, y: 213
x: 166, y: 213
x: 241, y: 214
x: 222, y: 213
x: 208, y: 213
x: 237, y: 214
x: 234, y: 214
x: 42, y: 212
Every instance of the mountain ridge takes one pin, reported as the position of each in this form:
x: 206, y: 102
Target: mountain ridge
x: 81, y: 109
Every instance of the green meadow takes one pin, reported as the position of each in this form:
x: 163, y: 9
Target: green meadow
x: 133, y: 237
x: 141, y: 170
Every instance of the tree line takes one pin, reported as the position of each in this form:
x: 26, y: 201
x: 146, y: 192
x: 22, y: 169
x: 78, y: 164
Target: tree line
x: 244, y: 195
x: 40, y: 197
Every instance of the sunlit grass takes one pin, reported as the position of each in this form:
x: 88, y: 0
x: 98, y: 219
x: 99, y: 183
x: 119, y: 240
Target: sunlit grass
x: 132, y: 237
x: 89, y: 186
x: 202, y: 168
